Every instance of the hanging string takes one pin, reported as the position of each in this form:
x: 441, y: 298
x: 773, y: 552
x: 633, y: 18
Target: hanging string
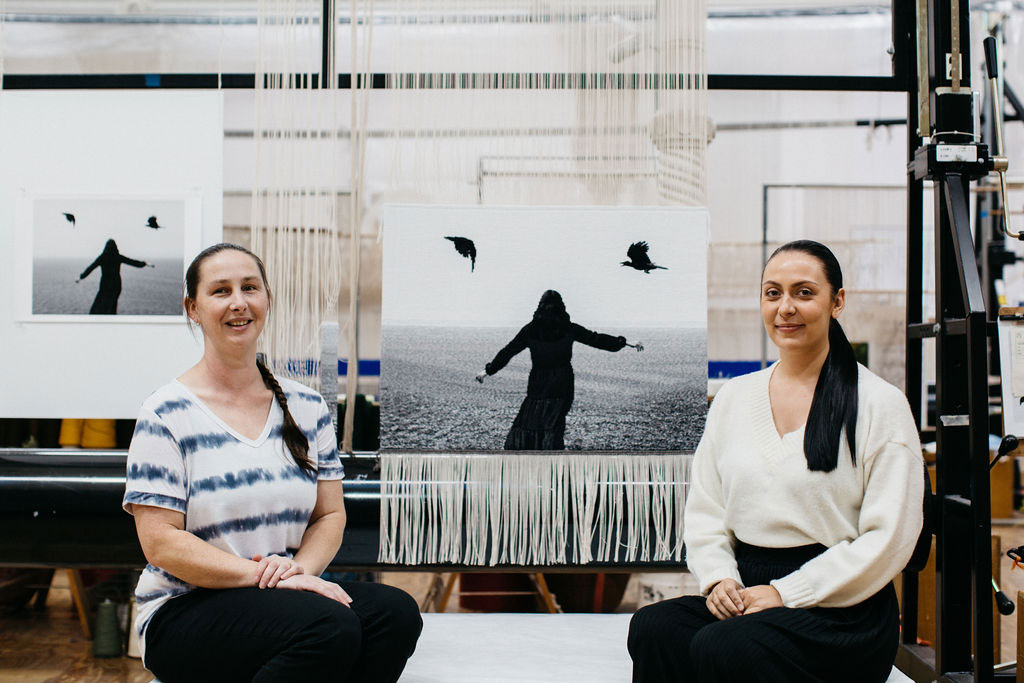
x: 355, y: 140
x: 295, y: 225
x: 529, y: 509
x: 578, y: 102
x: 575, y: 102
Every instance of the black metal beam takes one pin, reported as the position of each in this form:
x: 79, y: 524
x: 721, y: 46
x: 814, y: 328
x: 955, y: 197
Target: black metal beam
x: 819, y: 83
x: 952, y: 572
x: 904, y: 41
x: 482, y: 81
x: 326, y: 40
x: 956, y: 197
x: 129, y: 81
x: 977, y: 533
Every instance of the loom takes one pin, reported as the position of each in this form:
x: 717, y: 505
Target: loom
x: 516, y: 171
x: 609, y: 108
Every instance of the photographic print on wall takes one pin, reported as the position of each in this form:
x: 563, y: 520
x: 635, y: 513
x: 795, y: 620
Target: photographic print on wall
x: 534, y: 329
x: 107, y: 258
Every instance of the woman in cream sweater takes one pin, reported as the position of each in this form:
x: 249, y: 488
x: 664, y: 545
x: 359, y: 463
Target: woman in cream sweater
x: 804, y: 503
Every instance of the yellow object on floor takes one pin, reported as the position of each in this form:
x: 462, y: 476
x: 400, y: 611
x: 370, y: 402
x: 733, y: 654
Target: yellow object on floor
x: 98, y: 434
x: 70, y: 432
x: 89, y: 433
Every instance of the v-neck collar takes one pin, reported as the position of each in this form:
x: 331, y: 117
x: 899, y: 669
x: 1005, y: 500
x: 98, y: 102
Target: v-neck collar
x: 775, y: 446
x: 255, y: 443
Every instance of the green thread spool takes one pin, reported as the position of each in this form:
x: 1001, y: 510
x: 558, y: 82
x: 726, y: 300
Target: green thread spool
x: 106, y: 640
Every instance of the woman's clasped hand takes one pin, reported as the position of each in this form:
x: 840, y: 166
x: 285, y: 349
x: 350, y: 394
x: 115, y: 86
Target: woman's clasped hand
x: 274, y: 568
x: 729, y: 599
x: 275, y: 571
x: 314, y: 584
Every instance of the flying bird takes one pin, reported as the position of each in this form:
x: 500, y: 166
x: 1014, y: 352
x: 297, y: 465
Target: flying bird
x: 70, y: 218
x: 465, y: 246
x: 639, y: 259
x: 151, y: 223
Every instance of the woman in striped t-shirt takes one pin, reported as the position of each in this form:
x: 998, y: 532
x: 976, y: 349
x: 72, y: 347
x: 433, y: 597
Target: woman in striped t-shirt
x: 235, y: 484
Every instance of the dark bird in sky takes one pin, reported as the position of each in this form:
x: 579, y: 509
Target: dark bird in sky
x: 151, y: 223
x: 465, y: 246
x: 639, y: 259
x: 70, y: 218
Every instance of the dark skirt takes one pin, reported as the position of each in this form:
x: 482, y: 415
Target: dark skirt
x: 680, y: 640
x: 539, y: 426
x: 105, y: 302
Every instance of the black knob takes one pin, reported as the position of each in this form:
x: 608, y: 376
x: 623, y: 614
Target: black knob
x: 991, y: 65
x: 1003, y: 603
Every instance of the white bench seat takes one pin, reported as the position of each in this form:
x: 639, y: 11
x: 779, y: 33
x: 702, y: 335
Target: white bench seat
x: 526, y: 648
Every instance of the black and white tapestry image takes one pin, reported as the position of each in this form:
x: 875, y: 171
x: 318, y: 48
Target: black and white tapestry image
x: 107, y: 256
x: 538, y: 329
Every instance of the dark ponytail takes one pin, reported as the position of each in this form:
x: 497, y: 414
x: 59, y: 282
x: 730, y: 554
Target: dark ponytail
x: 294, y: 438
x: 834, y: 405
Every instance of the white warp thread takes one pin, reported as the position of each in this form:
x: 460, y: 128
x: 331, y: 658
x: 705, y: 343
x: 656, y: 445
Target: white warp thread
x: 523, y: 509
x: 296, y: 227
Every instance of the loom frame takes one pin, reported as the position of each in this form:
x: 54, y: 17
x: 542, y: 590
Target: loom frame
x: 962, y: 499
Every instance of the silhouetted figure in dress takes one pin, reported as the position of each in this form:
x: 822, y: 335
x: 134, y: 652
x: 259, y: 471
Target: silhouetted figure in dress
x: 540, y: 424
x: 109, y: 263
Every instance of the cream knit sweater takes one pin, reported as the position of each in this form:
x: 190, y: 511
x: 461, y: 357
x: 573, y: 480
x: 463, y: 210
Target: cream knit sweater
x: 751, y: 484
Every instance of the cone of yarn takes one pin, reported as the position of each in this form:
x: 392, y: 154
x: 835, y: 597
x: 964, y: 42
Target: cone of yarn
x: 106, y: 640
x: 70, y: 432
x: 133, y: 635
x: 98, y: 434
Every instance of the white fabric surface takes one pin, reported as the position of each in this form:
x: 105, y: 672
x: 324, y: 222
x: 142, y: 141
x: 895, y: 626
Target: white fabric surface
x: 526, y: 648
x: 500, y: 648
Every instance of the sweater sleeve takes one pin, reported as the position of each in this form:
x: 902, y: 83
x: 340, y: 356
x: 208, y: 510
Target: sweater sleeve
x: 709, y: 545
x: 598, y: 340
x: 514, y: 347
x: 888, y: 526
x: 92, y: 266
x: 132, y: 262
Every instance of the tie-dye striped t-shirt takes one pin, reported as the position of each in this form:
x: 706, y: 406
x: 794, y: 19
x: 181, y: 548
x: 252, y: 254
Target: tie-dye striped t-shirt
x: 244, y: 496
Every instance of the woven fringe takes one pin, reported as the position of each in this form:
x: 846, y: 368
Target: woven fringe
x: 476, y: 509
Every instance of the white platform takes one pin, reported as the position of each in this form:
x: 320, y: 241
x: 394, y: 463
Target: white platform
x: 526, y: 648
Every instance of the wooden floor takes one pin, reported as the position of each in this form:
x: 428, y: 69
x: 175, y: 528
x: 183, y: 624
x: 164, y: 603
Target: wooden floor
x: 47, y: 645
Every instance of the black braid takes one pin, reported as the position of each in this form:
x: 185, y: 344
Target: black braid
x: 293, y: 436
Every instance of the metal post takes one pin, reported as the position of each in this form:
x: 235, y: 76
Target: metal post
x: 963, y: 552
x: 952, y: 159
x: 327, y: 44
x: 905, y: 46
x: 764, y: 261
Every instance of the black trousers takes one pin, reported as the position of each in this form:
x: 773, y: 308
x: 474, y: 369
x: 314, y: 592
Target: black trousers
x: 248, y: 634
x: 680, y: 640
